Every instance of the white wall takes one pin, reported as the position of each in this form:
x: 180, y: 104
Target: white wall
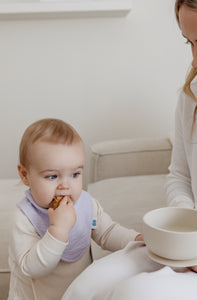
x: 110, y: 78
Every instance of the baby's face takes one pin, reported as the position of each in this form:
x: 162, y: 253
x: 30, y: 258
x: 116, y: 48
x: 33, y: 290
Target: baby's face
x: 55, y: 169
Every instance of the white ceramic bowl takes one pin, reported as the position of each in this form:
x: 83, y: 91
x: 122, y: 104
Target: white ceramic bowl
x: 171, y: 232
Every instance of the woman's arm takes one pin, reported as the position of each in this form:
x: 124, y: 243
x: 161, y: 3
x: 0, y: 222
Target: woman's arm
x: 178, y: 186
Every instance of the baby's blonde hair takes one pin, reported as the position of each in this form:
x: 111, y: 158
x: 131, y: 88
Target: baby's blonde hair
x: 46, y: 130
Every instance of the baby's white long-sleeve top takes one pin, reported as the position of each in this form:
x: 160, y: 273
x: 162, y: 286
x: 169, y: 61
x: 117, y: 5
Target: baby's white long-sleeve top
x: 37, y: 271
x: 181, y: 184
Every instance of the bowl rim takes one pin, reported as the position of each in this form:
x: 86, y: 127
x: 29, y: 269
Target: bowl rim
x: 166, y: 230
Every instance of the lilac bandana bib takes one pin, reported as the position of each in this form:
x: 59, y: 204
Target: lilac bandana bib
x: 79, y: 239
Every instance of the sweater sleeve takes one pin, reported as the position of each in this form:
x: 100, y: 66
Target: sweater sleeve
x: 178, y: 186
x: 109, y: 234
x: 36, y: 256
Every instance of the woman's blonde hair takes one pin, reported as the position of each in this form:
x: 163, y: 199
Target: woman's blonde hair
x: 46, y: 130
x: 193, y: 72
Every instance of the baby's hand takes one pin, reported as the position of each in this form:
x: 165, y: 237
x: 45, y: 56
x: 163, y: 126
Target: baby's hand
x: 139, y: 237
x: 194, y: 268
x: 62, y: 220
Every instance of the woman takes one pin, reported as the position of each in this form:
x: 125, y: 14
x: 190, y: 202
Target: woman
x: 129, y: 274
x: 181, y: 184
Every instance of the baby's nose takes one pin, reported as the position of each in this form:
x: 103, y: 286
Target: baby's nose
x: 63, y: 185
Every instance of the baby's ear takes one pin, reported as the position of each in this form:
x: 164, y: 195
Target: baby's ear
x: 23, y: 174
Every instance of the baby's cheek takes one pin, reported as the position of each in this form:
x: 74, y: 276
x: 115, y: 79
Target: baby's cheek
x: 44, y: 199
x: 76, y: 196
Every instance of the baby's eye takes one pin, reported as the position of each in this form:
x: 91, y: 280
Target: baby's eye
x: 74, y: 175
x: 51, y: 177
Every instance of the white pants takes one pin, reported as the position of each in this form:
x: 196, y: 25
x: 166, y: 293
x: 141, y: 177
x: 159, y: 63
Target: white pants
x: 129, y: 274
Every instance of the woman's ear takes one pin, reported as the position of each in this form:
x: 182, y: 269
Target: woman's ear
x: 23, y: 174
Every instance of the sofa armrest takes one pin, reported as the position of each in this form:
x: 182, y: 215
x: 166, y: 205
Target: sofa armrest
x: 138, y: 156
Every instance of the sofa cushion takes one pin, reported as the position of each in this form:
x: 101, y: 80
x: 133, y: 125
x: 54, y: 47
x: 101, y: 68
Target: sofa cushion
x: 127, y: 199
x: 131, y: 157
x: 4, y: 285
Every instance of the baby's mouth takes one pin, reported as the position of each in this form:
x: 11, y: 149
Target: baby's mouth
x: 57, y: 199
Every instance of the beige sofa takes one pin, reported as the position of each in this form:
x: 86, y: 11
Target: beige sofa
x: 126, y: 176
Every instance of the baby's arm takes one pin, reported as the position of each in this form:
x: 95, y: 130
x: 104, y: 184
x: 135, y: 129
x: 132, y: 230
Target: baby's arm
x: 139, y: 237
x: 109, y: 234
x: 35, y: 256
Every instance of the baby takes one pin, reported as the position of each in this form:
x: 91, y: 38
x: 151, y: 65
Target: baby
x: 50, y: 247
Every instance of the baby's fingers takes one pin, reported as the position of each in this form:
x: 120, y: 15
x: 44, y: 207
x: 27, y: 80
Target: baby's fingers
x: 66, y: 201
x: 194, y: 269
x: 69, y: 201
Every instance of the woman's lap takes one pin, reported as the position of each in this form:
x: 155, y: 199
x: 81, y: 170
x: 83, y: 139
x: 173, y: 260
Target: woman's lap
x: 103, y: 274
x: 164, y: 284
x: 129, y: 274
